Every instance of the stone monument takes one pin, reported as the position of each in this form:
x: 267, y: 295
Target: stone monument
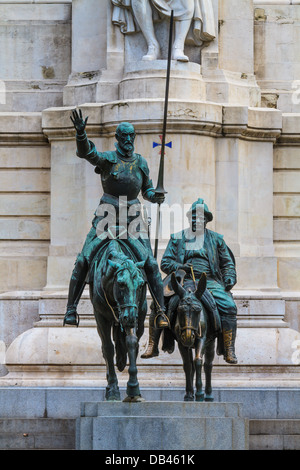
x: 232, y: 123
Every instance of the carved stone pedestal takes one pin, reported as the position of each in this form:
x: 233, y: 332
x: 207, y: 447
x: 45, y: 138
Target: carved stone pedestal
x: 186, y: 82
x: 161, y: 426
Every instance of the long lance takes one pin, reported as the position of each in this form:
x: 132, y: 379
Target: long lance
x: 160, y: 183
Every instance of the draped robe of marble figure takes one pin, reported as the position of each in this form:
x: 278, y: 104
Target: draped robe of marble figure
x: 194, y: 15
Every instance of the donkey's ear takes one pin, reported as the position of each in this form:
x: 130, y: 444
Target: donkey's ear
x: 201, y: 286
x: 177, y: 288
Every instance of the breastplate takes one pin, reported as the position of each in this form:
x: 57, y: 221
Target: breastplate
x: 123, y: 178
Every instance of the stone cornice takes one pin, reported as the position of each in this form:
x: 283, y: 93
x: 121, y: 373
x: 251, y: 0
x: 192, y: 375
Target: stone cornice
x: 202, y: 118
x: 198, y: 118
x: 290, y: 129
x: 256, y: 124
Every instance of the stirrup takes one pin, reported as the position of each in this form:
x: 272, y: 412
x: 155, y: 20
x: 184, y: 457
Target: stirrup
x: 71, y: 318
x: 161, y: 320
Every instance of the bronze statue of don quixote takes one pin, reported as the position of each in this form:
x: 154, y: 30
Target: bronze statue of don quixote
x: 192, y: 306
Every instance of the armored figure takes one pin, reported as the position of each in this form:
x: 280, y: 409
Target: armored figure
x: 215, y: 259
x: 124, y: 174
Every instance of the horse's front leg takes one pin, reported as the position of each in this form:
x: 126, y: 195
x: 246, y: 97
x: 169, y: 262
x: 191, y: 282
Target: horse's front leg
x: 133, y: 389
x: 198, y: 361
x: 208, y: 365
x: 108, y: 351
x: 188, y: 367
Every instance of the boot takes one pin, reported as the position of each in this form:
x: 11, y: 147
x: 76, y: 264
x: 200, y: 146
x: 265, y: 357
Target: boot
x: 76, y: 288
x: 154, y: 336
x: 229, y: 341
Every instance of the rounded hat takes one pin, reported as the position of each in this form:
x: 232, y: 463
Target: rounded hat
x: 201, y: 202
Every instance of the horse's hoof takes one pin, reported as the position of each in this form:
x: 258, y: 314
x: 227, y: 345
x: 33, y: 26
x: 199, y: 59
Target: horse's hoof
x: 113, y: 395
x: 113, y: 399
x: 200, y: 397
x: 136, y: 399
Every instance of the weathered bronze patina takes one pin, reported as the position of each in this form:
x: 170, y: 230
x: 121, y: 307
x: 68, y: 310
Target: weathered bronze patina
x: 217, y: 261
x: 114, y: 263
x: 124, y: 174
x: 118, y: 295
x: 194, y: 330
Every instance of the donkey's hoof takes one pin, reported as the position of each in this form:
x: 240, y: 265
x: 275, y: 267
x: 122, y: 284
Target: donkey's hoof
x: 209, y: 398
x: 189, y: 397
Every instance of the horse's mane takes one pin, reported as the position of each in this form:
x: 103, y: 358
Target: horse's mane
x: 113, y: 251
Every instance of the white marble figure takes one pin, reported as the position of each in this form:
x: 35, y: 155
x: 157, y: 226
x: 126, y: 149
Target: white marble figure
x: 195, y: 14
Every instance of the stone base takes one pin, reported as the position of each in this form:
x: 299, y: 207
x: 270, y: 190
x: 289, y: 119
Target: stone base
x: 161, y: 426
x: 48, y: 354
x: 186, y: 82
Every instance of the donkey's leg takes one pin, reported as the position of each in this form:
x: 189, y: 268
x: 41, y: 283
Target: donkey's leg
x: 208, y: 365
x: 188, y: 367
x: 108, y: 351
x: 199, y: 349
x: 133, y: 389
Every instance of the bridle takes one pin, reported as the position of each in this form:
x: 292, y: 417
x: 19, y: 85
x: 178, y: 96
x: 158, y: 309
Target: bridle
x: 197, y: 330
x: 116, y: 311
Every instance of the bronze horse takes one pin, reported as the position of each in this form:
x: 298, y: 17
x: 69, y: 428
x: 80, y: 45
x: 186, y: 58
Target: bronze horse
x: 190, y: 327
x: 118, y: 295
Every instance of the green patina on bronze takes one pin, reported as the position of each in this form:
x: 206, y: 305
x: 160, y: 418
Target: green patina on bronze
x: 117, y: 268
x: 216, y: 260
x: 123, y: 173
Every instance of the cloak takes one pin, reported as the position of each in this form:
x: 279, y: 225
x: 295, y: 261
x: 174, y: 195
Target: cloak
x: 199, y: 11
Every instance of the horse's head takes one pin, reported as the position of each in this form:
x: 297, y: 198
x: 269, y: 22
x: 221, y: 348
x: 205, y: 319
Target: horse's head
x: 188, y: 311
x: 127, y: 284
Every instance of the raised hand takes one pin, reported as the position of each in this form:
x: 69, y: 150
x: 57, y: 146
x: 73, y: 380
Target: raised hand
x: 78, y: 121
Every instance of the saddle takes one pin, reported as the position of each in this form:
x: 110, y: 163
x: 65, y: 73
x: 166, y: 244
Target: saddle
x: 207, y: 298
x: 168, y: 290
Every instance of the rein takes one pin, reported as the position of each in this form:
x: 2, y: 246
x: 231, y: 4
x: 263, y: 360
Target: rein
x: 119, y: 307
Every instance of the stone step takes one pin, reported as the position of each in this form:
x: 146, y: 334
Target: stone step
x: 59, y: 434
x: 274, y: 434
x: 37, y: 434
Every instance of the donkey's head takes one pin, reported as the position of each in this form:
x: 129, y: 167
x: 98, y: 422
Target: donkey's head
x: 187, y: 327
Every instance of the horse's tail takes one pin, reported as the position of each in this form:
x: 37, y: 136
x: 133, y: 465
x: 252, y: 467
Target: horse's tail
x: 120, y: 345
